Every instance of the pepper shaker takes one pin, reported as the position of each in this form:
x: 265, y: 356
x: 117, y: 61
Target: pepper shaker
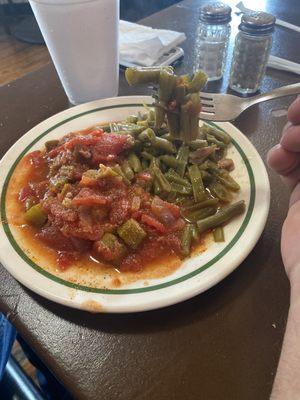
x: 212, y: 38
x: 251, y: 52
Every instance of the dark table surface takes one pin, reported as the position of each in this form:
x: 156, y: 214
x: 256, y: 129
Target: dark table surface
x: 222, y: 344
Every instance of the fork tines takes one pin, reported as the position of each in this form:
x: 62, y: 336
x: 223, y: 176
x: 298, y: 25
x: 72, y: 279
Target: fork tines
x: 207, y: 102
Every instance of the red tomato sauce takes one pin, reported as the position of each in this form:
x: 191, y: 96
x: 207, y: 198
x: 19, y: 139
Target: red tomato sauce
x: 82, y: 205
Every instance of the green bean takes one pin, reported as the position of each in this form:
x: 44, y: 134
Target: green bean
x: 219, y: 191
x: 212, y: 157
x: 179, y: 92
x: 102, y: 172
x: 167, y: 82
x: 212, y: 139
x: 114, y: 127
x: 189, y: 114
x: 157, y: 142
x: 137, y: 146
x: 184, y: 80
x: 151, y: 115
x: 206, y: 176
x: 216, y: 132
x: 197, y: 144
x: 134, y: 162
x: 179, y: 188
x: 163, y: 168
x: 125, y: 133
x: 168, y: 137
x: 199, y: 80
x: 186, y: 240
x: 141, y: 117
x: 203, y: 204
x: 151, y: 124
x: 58, y: 184
x: 154, y: 163
x: 106, y: 128
x: 51, y: 144
x: 170, y: 161
x: 164, y: 184
x: 182, y: 155
x: 207, y: 164
x: 143, y: 124
x: 173, y: 123
x: 159, y: 176
x: 137, y: 75
x: 227, y: 180
x: 147, y: 134
x: 166, y: 86
x: 172, y: 196
x: 222, y: 216
x: 157, y: 188
x: 219, y: 234
x: 198, y: 214
x: 183, y: 201
x: 132, y: 119
x: 195, y: 233
x: 147, y: 156
x: 220, y: 153
x: 185, y: 126
x: 197, y: 183
x: 145, y: 164
x: 125, y: 129
x: 125, y: 166
x: 172, y: 176
x: 119, y: 171
x: 194, y: 117
x: 200, y: 155
x: 229, y: 183
x: 160, y: 114
x: 181, y: 152
x: 161, y: 131
x: 163, y: 144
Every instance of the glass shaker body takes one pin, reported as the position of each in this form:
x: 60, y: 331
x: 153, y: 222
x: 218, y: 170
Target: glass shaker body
x: 211, y: 49
x: 212, y: 38
x: 251, y: 52
x: 249, y: 62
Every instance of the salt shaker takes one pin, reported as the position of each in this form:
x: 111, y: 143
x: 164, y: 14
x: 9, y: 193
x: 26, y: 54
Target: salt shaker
x: 251, y: 52
x: 212, y: 37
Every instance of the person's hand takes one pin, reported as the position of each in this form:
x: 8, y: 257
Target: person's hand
x: 284, y: 158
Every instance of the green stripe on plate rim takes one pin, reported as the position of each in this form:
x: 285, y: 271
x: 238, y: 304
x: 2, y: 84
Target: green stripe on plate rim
x: 54, y: 278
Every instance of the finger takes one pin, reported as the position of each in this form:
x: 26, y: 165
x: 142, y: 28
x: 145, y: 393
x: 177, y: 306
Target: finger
x: 282, y: 161
x: 295, y: 196
x: 291, y: 138
x: 285, y: 128
x: 294, y: 112
x: 292, y: 179
x: 290, y: 238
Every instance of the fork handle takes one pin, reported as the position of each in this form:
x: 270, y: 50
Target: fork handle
x: 273, y: 94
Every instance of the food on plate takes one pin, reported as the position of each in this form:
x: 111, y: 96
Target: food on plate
x: 134, y: 191
x: 177, y: 99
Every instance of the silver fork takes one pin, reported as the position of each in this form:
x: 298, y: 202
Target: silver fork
x: 226, y: 107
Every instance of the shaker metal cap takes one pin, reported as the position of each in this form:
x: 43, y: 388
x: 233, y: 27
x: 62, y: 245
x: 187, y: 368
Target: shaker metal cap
x: 257, y: 23
x: 215, y: 13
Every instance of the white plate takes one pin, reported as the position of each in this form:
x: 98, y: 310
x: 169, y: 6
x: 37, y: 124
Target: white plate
x: 194, y: 276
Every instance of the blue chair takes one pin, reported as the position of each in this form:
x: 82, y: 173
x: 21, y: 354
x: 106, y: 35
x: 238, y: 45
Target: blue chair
x: 14, y: 383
